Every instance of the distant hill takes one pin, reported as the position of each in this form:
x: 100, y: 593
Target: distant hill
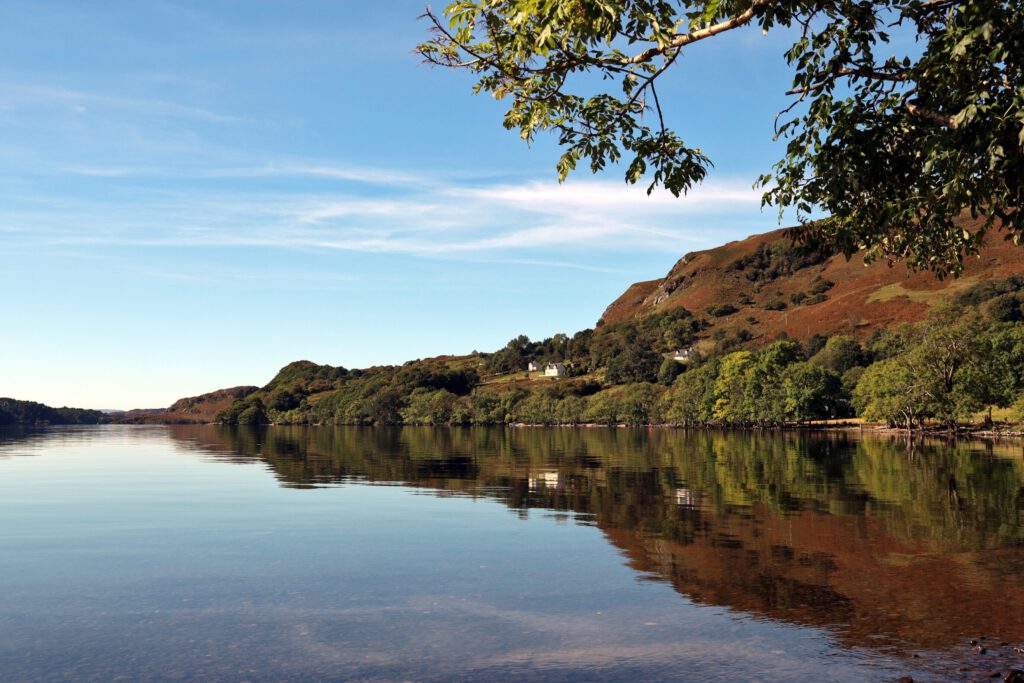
x: 196, y: 409
x: 15, y: 412
x: 740, y: 296
x: 766, y: 286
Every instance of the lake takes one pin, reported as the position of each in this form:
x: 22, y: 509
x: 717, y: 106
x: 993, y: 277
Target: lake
x: 371, y: 554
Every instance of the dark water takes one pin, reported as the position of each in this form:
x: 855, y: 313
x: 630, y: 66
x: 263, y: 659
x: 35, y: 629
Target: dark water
x: 203, y: 553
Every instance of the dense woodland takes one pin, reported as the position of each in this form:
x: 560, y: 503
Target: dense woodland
x: 956, y: 366
x: 14, y: 412
x: 965, y: 359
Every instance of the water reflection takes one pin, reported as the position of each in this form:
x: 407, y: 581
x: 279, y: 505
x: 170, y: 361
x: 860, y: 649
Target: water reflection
x: 150, y: 553
x: 890, y: 547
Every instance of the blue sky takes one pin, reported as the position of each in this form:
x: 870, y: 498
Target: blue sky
x: 193, y: 194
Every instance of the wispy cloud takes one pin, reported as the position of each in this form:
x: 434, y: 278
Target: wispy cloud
x: 536, y: 222
x: 601, y: 195
x: 19, y: 95
x: 369, y: 175
x: 360, y: 174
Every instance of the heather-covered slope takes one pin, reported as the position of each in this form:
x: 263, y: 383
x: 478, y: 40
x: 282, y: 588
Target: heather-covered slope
x: 201, y: 409
x: 791, y: 331
x: 774, y: 288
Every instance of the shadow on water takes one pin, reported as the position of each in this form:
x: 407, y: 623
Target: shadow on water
x: 888, y: 547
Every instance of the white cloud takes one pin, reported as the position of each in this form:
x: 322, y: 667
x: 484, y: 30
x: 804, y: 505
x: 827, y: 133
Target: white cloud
x: 19, y: 95
x: 534, y: 221
x: 595, y: 195
x: 360, y: 174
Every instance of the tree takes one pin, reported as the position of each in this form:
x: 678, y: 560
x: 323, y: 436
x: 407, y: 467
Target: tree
x: 538, y: 408
x: 731, y: 404
x: 949, y: 342
x: 383, y: 407
x: 669, y: 370
x: 988, y: 379
x: 1006, y: 308
x: 811, y: 392
x: 603, y: 409
x: 763, y: 398
x: 569, y: 410
x: 640, y: 403
x: 839, y: 354
x: 252, y: 414
x: 636, y: 362
x: 892, y: 147
x: 891, y: 391
x: 691, y: 399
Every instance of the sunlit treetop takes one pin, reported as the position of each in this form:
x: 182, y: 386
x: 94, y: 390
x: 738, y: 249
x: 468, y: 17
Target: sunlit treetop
x: 893, y: 150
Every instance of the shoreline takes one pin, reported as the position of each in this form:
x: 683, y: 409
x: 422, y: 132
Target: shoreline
x: 831, y: 426
x: 838, y: 426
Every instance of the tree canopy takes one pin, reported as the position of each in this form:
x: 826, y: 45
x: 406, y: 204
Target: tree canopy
x: 891, y: 147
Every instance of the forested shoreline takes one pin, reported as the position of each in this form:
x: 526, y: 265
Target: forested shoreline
x: 948, y: 372
x: 14, y: 412
x: 964, y: 360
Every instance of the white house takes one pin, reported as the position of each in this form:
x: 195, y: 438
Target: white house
x: 685, y: 497
x: 684, y: 355
x: 555, y: 370
x: 533, y: 366
x: 546, y: 480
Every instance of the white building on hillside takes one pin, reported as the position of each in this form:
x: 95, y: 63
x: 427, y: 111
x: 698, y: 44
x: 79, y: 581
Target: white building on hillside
x: 555, y: 370
x: 533, y: 366
x: 684, y: 355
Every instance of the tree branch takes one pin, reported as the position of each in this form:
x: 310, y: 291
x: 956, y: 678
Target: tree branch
x: 852, y: 71
x: 933, y: 116
x: 679, y: 41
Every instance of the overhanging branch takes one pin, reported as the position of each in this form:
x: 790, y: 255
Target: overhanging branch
x: 693, y: 36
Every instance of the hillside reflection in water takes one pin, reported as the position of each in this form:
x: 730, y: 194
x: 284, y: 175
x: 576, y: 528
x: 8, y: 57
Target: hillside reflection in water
x: 188, y: 552
x: 890, y: 544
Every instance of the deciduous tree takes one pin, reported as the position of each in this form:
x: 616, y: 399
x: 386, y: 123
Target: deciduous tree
x: 904, y: 112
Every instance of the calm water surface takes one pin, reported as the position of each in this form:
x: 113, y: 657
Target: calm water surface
x: 163, y: 553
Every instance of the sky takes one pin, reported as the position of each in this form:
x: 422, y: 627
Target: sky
x: 193, y: 194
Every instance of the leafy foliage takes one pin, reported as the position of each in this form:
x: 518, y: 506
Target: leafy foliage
x: 14, y: 412
x: 948, y: 367
x: 891, y: 142
x: 781, y: 258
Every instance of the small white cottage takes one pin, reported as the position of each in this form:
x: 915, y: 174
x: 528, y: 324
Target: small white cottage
x: 555, y: 370
x: 684, y: 355
x: 533, y: 366
x: 685, y: 497
x: 545, y: 480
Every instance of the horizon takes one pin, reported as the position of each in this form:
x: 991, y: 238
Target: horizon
x: 192, y: 207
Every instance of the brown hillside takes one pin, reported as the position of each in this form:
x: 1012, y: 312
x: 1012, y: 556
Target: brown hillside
x: 196, y: 409
x: 763, y: 271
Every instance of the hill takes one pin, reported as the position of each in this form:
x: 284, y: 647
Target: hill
x: 201, y: 409
x: 765, y: 286
x: 14, y: 412
x: 773, y: 334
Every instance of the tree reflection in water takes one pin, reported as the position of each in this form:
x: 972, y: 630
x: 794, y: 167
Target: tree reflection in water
x: 888, y: 545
